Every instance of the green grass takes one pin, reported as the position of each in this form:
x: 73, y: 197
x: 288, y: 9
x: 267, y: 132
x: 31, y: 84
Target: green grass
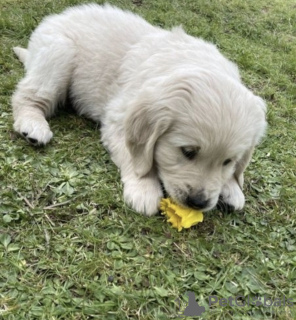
x: 71, y: 249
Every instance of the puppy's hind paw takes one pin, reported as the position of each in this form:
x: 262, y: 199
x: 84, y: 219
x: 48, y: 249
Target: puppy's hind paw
x: 35, y: 131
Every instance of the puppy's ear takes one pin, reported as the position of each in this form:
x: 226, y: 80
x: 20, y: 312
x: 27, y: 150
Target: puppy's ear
x: 262, y: 124
x: 241, y: 166
x: 144, y: 124
x: 260, y: 131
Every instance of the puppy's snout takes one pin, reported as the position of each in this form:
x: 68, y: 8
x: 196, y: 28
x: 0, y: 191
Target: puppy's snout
x: 197, y: 201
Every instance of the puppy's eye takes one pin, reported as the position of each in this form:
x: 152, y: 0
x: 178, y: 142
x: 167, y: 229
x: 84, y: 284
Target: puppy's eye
x: 190, y: 152
x: 225, y: 163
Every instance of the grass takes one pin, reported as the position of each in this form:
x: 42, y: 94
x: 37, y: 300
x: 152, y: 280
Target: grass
x: 71, y: 249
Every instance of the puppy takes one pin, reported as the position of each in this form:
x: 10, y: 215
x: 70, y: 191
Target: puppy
x: 172, y: 108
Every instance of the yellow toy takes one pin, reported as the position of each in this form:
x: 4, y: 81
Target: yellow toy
x: 178, y: 216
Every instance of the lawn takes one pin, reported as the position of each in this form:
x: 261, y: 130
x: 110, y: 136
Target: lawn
x: 71, y: 249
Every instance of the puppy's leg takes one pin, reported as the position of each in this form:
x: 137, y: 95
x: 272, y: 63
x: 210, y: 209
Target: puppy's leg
x: 48, y: 72
x: 142, y: 194
x: 232, y: 195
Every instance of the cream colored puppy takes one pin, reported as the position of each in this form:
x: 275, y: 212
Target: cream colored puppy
x: 172, y: 108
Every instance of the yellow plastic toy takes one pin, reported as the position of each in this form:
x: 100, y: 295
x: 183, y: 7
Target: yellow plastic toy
x: 178, y: 216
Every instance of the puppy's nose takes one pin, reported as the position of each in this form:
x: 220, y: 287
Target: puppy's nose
x: 197, y: 201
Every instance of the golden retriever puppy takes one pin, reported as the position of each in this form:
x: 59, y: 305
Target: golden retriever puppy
x: 172, y: 108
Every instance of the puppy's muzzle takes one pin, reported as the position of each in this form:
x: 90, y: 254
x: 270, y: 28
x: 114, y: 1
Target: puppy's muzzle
x: 197, y: 201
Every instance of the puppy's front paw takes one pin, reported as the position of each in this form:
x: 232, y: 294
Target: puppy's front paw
x: 143, y: 195
x: 34, y: 129
x: 232, y: 196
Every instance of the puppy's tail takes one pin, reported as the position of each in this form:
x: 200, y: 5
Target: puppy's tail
x: 21, y: 53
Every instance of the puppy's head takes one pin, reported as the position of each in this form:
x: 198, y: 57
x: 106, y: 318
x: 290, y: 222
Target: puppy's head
x: 197, y: 130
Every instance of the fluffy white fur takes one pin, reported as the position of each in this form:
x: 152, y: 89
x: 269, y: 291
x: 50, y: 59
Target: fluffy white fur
x: 158, y: 95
